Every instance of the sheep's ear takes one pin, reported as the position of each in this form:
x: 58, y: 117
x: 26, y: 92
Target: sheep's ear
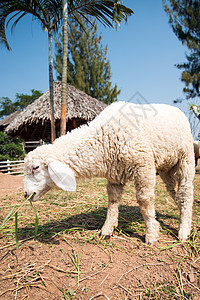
x: 62, y: 176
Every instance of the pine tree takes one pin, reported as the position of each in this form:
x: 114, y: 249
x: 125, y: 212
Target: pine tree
x: 88, y: 67
x: 184, y: 18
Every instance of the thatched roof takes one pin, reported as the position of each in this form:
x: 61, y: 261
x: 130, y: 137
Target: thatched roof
x: 79, y: 106
x: 6, y: 121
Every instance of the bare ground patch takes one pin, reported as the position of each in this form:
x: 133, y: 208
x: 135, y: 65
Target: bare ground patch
x: 70, y: 260
x: 10, y: 184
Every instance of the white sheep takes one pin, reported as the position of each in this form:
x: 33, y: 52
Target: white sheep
x: 126, y: 142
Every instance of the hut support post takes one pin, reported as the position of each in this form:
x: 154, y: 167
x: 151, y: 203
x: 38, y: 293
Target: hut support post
x: 64, y: 70
x: 53, y: 130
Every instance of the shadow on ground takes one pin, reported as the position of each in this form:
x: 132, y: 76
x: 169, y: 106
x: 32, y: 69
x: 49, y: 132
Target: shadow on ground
x: 130, y: 223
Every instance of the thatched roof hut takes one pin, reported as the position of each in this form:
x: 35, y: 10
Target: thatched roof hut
x: 6, y: 121
x: 34, y: 122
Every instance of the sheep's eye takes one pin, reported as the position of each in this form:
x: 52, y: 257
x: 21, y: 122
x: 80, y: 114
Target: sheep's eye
x: 35, y: 168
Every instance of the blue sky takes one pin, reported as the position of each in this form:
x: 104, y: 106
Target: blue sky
x: 142, y: 55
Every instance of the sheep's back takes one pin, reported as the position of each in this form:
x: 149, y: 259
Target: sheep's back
x: 163, y: 129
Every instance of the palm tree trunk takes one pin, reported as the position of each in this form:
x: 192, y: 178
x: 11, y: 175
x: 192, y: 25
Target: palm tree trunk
x: 64, y: 70
x: 53, y: 131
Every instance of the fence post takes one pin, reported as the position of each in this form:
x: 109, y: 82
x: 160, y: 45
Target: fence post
x: 8, y: 165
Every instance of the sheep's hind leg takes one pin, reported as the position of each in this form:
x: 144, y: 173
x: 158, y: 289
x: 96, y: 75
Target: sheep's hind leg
x: 179, y: 184
x: 184, y: 197
x: 114, y: 196
x: 145, y: 183
x: 170, y: 181
x: 185, y: 203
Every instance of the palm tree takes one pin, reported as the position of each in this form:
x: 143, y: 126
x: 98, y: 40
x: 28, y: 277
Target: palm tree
x: 64, y: 69
x: 108, y: 12
x: 49, y: 14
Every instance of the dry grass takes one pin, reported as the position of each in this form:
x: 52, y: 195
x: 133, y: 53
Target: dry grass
x: 69, y: 223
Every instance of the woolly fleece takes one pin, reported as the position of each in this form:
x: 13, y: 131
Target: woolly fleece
x: 131, y: 142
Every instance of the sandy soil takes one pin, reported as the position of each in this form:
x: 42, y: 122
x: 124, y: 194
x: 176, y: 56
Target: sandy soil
x: 10, y: 184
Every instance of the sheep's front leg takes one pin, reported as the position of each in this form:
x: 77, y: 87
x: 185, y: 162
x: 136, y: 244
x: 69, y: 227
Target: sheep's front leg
x: 148, y: 213
x: 114, y: 196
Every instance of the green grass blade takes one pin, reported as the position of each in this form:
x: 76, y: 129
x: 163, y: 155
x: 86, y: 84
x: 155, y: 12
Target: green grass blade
x: 11, y: 213
x: 171, y: 246
x: 64, y: 294
x: 7, y: 218
x: 16, y: 235
x: 36, y: 225
x: 29, y: 198
x: 73, y: 261
x: 78, y: 262
x: 36, y: 219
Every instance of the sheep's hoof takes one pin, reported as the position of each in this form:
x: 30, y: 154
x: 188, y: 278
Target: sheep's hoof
x: 184, y: 231
x: 182, y: 236
x: 104, y: 237
x: 150, y: 241
x: 153, y: 237
x: 106, y: 232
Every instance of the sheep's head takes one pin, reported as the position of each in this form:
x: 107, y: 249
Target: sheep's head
x: 40, y: 177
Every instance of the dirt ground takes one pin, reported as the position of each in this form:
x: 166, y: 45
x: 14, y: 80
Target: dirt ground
x: 81, y: 265
x: 10, y: 184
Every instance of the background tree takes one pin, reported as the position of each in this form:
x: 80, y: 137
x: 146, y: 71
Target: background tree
x: 23, y: 100
x: 49, y: 14
x: 10, y: 148
x: 8, y: 106
x: 88, y: 67
x: 184, y: 18
x: 108, y: 12
x: 196, y: 110
x: 191, y: 74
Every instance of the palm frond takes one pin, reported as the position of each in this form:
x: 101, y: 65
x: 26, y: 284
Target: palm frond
x: 47, y: 12
x: 107, y: 12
